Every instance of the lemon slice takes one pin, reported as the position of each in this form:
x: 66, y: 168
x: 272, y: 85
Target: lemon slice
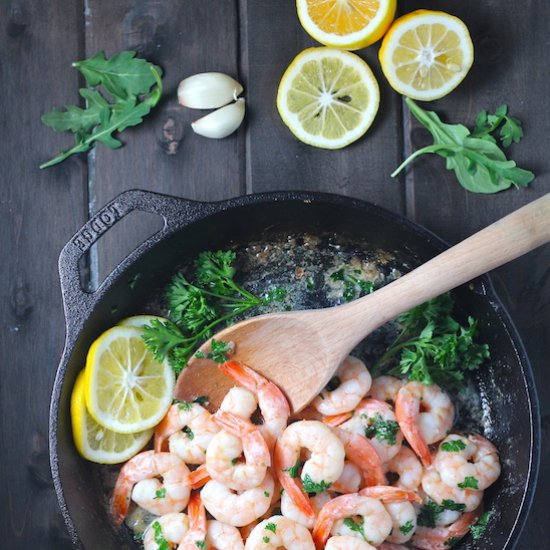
x: 328, y: 97
x: 127, y: 389
x: 426, y: 54
x: 96, y: 443
x: 139, y: 320
x: 347, y: 24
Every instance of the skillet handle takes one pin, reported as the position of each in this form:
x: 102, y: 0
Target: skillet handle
x: 175, y: 212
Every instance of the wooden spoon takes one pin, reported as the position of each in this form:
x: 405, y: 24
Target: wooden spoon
x: 301, y: 350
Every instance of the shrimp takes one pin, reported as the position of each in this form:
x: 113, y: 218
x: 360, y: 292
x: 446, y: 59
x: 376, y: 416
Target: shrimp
x: 355, y: 381
x: 350, y: 480
x: 359, y: 450
x: 172, y: 528
x: 238, y: 509
x: 437, y: 538
x: 439, y: 491
x: 376, y: 421
x: 403, y: 516
x: 375, y: 524
x: 138, y: 481
x: 271, y: 400
x: 441, y: 518
x: 221, y: 536
x: 324, y: 466
x: 344, y: 542
x: 225, y: 449
x: 239, y: 401
x: 476, y: 460
x: 291, y: 511
x: 279, y: 532
x: 407, y: 467
x: 387, y: 493
x: 196, y: 535
x: 385, y: 388
x: 190, y: 445
x: 425, y: 415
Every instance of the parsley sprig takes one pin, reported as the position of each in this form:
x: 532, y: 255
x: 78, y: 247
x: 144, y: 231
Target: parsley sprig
x: 432, y: 347
x: 126, y: 88
x: 195, y: 308
x: 479, y: 163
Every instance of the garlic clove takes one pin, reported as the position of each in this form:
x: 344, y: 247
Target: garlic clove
x: 222, y: 122
x: 208, y: 90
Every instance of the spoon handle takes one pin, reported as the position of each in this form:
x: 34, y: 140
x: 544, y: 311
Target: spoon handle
x: 497, y: 244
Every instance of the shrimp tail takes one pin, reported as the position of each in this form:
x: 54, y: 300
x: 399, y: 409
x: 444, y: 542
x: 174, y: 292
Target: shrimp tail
x: 121, y: 499
x: 407, y: 408
x: 387, y: 493
x: 243, y: 375
x: 234, y: 424
x: 199, y: 477
x: 196, y: 535
x: 337, y: 419
x: 165, y: 429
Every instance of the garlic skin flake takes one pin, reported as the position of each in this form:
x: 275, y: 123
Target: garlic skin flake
x: 208, y: 90
x: 222, y: 122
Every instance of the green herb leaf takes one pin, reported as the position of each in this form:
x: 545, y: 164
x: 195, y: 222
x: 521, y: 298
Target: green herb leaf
x: 162, y: 543
x: 271, y: 527
x: 478, y: 529
x: 218, y: 351
x: 265, y: 539
x: 479, y: 164
x: 134, y: 86
x: 453, y: 446
x: 353, y: 282
x: 183, y: 405
x: 407, y: 527
x: 452, y: 541
x: 201, y: 544
x: 189, y: 432
x: 160, y: 493
x: 383, y: 430
x: 357, y: 527
x: 469, y: 483
x: 430, y: 511
x: 294, y: 471
x: 311, y: 486
x: 448, y: 504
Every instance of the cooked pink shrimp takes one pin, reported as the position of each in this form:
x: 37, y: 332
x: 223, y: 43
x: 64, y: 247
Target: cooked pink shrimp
x: 375, y: 526
x: 403, y: 516
x: 355, y: 381
x: 138, y: 481
x: 239, y: 401
x: 351, y: 479
x: 385, y: 388
x: 221, y: 536
x: 199, y: 477
x: 439, y: 491
x: 196, y: 535
x: 437, y: 538
x: 271, y: 400
x: 172, y: 527
x: 359, y: 450
x: 376, y: 421
x: 291, y: 511
x: 190, y: 445
x: 472, y: 460
x: 345, y: 542
x: 387, y: 493
x: 278, y: 532
x: 322, y: 468
x: 425, y: 415
x: 226, y: 448
x: 407, y: 467
x: 238, y: 509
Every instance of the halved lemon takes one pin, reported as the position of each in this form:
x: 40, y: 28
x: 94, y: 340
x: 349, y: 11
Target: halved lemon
x: 426, y: 54
x: 139, y: 320
x: 96, y: 443
x: 328, y: 97
x: 127, y: 389
x: 347, y: 24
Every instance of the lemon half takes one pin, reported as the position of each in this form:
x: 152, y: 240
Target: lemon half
x: 127, y: 390
x: 426, y: 54
x: 96, y: 443
x: 328, y: 97
x: 347, y: 24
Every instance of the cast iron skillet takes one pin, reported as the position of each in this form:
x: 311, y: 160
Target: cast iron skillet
x: 505, y: 400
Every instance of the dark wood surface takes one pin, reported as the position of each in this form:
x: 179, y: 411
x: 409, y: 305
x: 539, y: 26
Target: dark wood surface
x: 253, y: 40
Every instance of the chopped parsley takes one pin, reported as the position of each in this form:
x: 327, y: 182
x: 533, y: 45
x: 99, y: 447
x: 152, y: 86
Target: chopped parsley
x: 353, y: 282
x: 160, y: 493
x: 183, y: 405
x: 452, y: 505
x: 383, y: 430
x: 469, y: 482
x: 266, y: 494
x: 479, y: 527
x: 266, y: 539
x: 451, y: 541
x: 430, y: 511
x: 271, y: 527
x: 407, y: 527
x: 357, y: 527
x: 218, y: 351
x: 311, y: 487
x: 293, y: 471
x: 201, y: 544
x: 189, y: 432
x: 162, y: 543
x: 455, y: 445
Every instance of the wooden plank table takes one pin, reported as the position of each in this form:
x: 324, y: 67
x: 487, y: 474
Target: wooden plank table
x: 253, y: 40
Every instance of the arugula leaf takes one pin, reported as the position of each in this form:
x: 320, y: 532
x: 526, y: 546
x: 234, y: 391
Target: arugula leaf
x: 478, y: 162
x: 453, y: 446
x: 383, y: 430
x: 432, y: 347
x: 196, y: 307
x: 478, y: 529
x: 469, y: 482
x: 133, y: 87
x: 311, y: 486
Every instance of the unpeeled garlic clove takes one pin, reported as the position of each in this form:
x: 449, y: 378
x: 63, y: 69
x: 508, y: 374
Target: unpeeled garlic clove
x: 208, y: 90
x: 222, y: 122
